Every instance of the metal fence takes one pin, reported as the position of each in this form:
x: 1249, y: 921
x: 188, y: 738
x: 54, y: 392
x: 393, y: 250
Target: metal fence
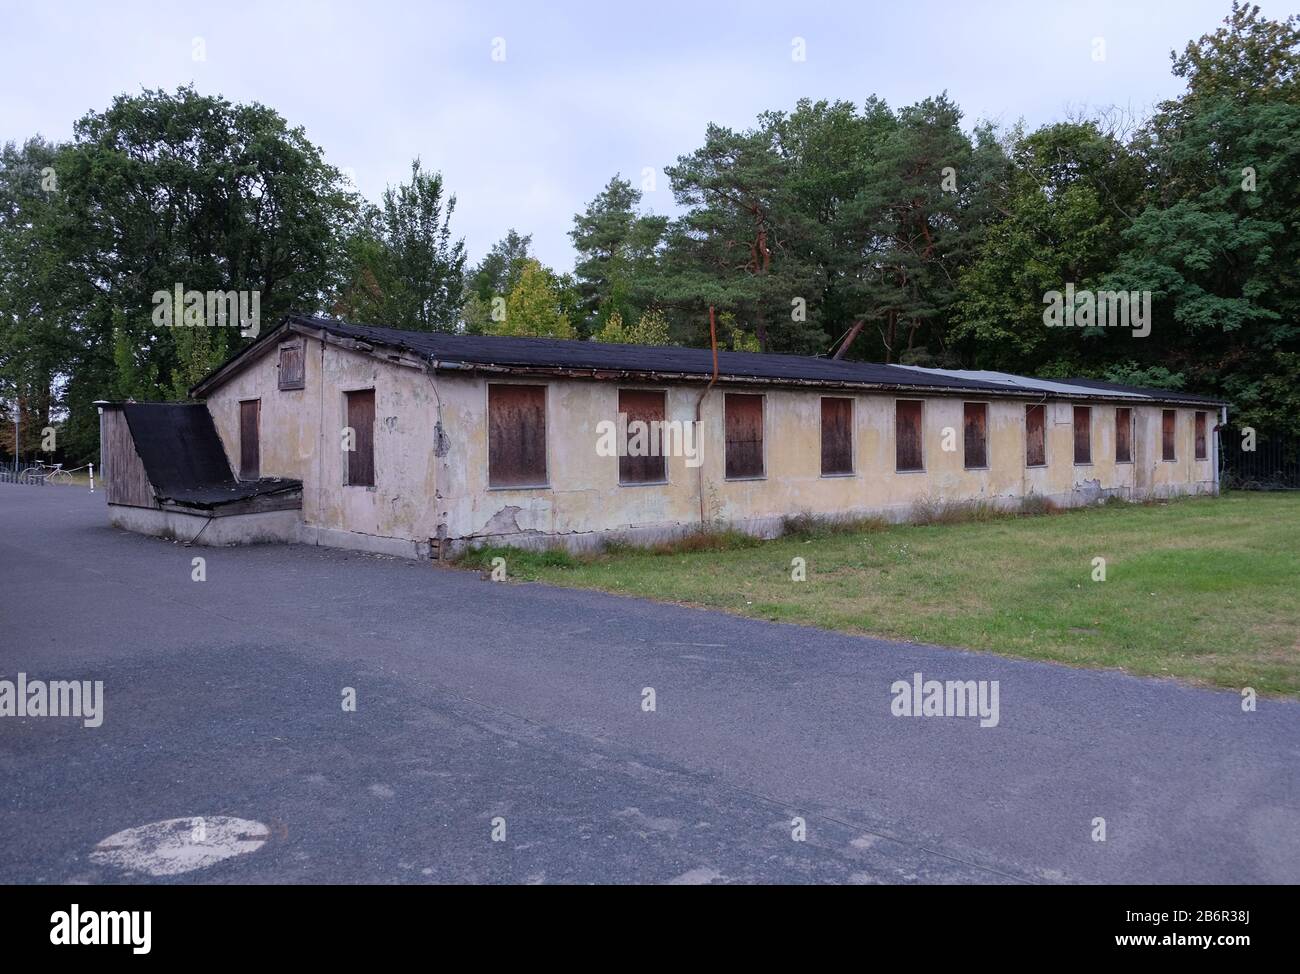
x: 16, y: 471
x: 1272, y: 464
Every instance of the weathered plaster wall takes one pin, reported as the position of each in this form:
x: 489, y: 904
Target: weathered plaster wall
x: 428, y: 487
x: 302, y: 437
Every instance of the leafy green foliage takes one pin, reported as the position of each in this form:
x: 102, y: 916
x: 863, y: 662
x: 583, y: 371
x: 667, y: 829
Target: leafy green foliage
x: 535, y: 306
x: 405, y: 269
x: 650, y: 329
x: 161, y: 188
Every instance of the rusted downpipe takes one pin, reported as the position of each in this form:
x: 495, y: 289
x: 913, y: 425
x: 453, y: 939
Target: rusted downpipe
x: 699, y: 404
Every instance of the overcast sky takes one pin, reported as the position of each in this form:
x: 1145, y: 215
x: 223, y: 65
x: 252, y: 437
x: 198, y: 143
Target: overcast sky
x: 583, y: 90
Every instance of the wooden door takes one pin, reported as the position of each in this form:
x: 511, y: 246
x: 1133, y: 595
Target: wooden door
x: 250, y: 447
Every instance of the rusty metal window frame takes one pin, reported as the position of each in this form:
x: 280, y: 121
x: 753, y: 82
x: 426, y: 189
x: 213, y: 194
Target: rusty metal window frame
x: 663, y: 458
x: 1042, y: 406
x: 1074, y: 434
x: 988, y: 461
x: 1200, y: 435
x: 920, y: 437
x: 288, y: 386
x: 1132, y: 432
x: 762, y: 414
x: 1172, y: 441
x: 545, y: 484
x: 853, y: 444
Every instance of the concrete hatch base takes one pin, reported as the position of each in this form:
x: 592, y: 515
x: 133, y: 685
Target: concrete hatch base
x: 209, y: 529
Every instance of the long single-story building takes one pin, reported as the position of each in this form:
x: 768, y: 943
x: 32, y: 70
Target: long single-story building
x: 421, y: 444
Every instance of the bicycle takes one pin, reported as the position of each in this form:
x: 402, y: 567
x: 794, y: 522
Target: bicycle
x: 49, y: 473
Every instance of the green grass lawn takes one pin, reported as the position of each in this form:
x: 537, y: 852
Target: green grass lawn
x: 1204, y: 589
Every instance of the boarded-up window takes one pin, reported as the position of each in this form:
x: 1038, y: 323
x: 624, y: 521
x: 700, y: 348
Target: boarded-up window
x: 1202, y: 448
x: 744, y: 423
x: 1035, y: 436
x: 1168, y: 425
x: 837, y: 436
x: 516, y: 436
x: 1123, y: 435
x: 975, y: 424
x: 293, y: 373
x: 907, y: 435
x: 641, y: 459
x: 361, y: 420
x: 250, y: 446
x: 1083, y: 434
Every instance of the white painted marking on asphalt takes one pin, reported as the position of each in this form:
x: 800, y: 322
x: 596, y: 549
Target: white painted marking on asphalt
x: 700, y: 876
x: 180, y: 845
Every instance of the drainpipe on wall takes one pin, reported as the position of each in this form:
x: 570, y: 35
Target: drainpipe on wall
x: 699, y: 403
x: 320, y: 435
x: 1218, y: 448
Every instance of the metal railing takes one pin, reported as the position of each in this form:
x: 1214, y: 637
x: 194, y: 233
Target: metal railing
x: 14, y: 471
x: 1273, y: 464
x: 38, y: 472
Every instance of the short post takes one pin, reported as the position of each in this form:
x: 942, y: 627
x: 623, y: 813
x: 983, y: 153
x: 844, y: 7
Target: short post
x: 92, y: 478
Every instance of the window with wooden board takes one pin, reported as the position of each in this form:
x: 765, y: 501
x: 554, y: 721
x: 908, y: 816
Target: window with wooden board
x: 744, y: 426
x: 1168, y: 434
x: 1035, y: 436
x: 975, y: 424
x: 649, y: 465
x: 516, y: 436
x: 1123, y: 434
x: 908, y: 452
x: 837, y: 436
x: 1202, y: 445
x: 250, y: 445
x: 1083, y: 434
x: 361, y: 420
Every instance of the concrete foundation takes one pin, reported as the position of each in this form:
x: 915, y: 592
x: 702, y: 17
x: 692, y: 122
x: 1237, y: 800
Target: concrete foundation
x: 773, y: 526
x: 356, y: 541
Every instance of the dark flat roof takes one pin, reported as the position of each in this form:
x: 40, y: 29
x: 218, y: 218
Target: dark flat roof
x: 1178, y: 394
x: 553, y: 353
x: 450, y: 351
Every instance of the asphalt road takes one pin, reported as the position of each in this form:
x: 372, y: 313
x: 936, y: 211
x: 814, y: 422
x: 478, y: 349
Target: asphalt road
x: 480, y: 701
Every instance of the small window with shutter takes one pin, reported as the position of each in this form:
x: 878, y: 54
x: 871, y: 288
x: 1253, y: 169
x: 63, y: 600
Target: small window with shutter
x: 293, y: 366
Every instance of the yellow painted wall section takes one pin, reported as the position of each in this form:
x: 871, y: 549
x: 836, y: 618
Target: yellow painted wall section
x: 584, y: 494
